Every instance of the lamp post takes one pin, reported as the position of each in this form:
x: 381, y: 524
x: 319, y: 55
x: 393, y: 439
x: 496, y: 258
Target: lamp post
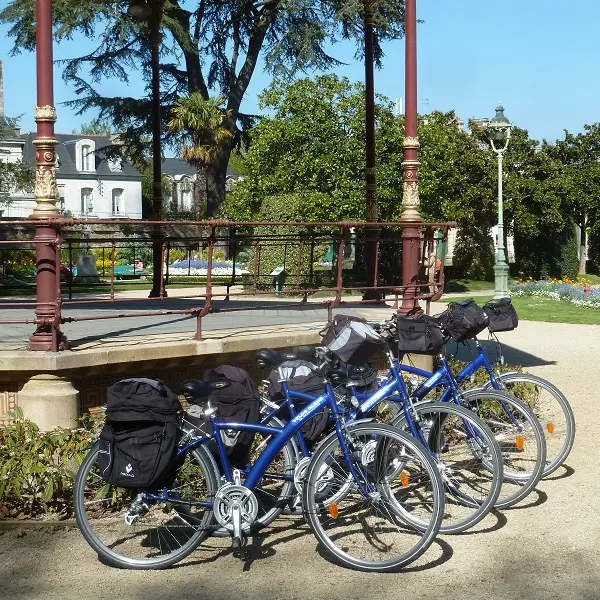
x: 150, y: 11
x: 499, y: 133
x: 410, y: 219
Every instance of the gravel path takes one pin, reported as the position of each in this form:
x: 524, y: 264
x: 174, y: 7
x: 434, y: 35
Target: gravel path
x: 547, y: 549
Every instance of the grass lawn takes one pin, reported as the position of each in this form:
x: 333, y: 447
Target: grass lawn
x: 531, y: 308
x: 467, y: 285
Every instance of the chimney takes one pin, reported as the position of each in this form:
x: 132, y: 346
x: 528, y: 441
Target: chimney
x: 1, y: 92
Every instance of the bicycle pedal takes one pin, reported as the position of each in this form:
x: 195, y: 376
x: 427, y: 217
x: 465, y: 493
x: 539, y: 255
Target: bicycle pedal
x: 239, y: 545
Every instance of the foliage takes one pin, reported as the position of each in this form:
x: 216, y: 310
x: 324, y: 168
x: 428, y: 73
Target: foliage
x: 96, y: 127
x: 580, y: 155
x: 199, y: 123
x: 37, y: 469
x: 205, y: 45
x: 15, y: 177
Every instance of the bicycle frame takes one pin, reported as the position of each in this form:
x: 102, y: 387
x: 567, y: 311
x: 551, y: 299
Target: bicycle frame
x: 397, y: 384
x: 280, y: 437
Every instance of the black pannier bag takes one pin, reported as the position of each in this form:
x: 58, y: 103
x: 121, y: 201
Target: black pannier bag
x: 502, y: 315
x: 138, y: 443
x: 355, y: 343
x: 301, y: 376
x: 419, y: 335
x: 464, y: 320
x: 237, y: 403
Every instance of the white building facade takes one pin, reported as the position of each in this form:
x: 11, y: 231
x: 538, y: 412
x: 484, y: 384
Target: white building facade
x: 91, y: 184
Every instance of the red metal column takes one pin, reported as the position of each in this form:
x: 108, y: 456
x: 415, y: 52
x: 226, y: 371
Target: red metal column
x: 411, y: 219
x: 47, y: 335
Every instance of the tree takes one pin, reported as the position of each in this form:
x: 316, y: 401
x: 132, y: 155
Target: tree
x: 15, y: 177
x: 206, y: 45
x: 96, y: 127
x: 313, y: 146
x: 199, y: 122
x: 580, y: 156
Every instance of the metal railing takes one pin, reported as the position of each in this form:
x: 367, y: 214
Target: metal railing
x: 281, y: 259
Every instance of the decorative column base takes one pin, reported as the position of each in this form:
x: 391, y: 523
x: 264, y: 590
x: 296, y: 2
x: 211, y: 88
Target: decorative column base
x: 421, y: 361
x: 501, y: 271
x: 50, y: 401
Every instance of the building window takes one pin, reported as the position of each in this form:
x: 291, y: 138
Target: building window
x: 87, y: 201
x: 86, y: 158
x: 117, y: 201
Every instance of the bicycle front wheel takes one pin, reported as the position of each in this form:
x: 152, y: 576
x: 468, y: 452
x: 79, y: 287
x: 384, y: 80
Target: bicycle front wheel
x: 135, y: 529
x: 468, y: 457
x: 521, y: 439
x: 368, y: 527
x: 552, y: 410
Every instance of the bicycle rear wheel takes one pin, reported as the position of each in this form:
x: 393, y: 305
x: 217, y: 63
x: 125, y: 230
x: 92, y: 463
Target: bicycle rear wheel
x: 521, y: 440
x: 552, y: 410
x: 469, y: 460
x: 135, y: 529
x: 373, y: 532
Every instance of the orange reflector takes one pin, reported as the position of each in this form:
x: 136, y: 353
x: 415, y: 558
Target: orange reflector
x: 520, y: 442
x: 550, y: 427
x: 334, y: 510
x: 404, y: 478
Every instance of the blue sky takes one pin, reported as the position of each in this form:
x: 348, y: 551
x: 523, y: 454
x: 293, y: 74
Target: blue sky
x: 537, y: 56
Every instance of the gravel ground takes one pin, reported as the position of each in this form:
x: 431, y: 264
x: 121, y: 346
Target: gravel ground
x: 548, y: 548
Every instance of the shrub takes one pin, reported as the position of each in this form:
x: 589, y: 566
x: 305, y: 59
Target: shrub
x: 37, y: 469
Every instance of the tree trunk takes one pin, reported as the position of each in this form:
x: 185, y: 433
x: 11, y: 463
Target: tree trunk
x: 582, y: 247
x: 216, y: 176
x: 200, y: 192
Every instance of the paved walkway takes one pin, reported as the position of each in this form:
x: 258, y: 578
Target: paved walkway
x: 547, y: 549
x: 122, y: 319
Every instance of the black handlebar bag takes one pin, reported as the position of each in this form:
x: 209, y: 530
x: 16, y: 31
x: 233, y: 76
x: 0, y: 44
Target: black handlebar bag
x: 502, y: 315
x: 419, y: 335
x: 464, y: 320
x: 355, y: 343
x: 139, y: 439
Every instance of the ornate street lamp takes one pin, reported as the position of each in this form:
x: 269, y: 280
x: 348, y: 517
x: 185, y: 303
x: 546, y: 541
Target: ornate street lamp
x: 150, y: 12
x: 499, y: 133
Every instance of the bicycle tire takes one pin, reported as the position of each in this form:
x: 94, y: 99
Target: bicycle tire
x: 521, y: 440
x: 373, y: 445
x: 100, y: 511
x: 469, y: 458
x: 554, y: 413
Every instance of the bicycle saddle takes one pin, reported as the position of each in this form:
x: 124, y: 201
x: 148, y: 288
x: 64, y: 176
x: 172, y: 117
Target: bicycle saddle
x: 272, y: 358
x: 199, y: 389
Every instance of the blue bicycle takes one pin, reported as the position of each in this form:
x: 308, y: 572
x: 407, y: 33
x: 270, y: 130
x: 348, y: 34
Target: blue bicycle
x: 363, y: 489
x: 511, y: 420
x: 464, y: 449
x: 548, y: 403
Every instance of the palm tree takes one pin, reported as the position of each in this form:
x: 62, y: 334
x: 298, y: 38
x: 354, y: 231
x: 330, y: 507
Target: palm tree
x: 199, y: 120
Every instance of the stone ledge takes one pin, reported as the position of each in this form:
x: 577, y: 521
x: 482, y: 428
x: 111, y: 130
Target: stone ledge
x: 168, y: 346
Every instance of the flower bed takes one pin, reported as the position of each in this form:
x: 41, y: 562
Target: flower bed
x: 200, y: 267
x: 580, y: 293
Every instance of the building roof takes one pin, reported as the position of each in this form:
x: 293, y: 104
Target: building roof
x: 65, y: 149
x: 177, y: 167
